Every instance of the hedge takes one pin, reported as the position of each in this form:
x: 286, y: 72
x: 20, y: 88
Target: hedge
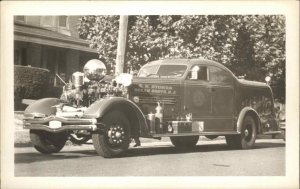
x: 29, y: 83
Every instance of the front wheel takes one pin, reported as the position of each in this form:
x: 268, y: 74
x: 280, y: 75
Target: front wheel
x: 46, y: 142
x: 184, y: 141
x: 116, y: 136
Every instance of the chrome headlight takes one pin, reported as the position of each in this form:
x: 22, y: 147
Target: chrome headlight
x: 94, y: 70
x: 124, y: 79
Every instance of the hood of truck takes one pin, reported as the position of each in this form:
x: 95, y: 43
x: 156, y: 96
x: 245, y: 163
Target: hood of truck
x: 147, y: 92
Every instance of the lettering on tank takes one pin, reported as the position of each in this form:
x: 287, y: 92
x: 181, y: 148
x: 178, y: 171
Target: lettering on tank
x: 155, y: 89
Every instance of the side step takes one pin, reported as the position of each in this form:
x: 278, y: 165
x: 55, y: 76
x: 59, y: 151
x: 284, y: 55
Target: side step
x: 195, y: 134
x: 271, y: 132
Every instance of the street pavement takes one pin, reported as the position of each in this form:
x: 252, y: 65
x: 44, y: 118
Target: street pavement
x: 157, y: 158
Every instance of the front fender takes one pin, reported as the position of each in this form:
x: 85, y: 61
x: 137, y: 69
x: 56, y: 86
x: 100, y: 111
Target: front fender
x: 242, y: 114
x: 136, y: 117
x: 43, y: 106
x: 102, y: 106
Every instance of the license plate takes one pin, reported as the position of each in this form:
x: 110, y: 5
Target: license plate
x: 55, y: 124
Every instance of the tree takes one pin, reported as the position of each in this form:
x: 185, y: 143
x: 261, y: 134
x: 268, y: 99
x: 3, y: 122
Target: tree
x: 249, y: 45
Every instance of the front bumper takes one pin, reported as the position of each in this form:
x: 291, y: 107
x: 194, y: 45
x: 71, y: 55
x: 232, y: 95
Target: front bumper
x: 57, y: 124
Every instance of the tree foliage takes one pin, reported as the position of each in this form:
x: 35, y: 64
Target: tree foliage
x: 249, y: 45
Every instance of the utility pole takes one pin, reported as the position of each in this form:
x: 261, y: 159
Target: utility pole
x: 122, y: 40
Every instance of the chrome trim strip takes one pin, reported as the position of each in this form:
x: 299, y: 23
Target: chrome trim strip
x: 71, y: 121
x: 63, y: 128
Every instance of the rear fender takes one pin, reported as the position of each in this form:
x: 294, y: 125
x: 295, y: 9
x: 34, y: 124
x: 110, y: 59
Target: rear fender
x: 43, y: 106
x: 253, y: 113
x: 135, y: 116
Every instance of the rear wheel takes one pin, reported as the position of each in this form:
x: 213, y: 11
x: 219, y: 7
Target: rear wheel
x: 247, y: 137
x: 211, y: 137
x: 116, y: 136
x: 283, y: 133
x: 46, y: 142
x: 184, y: 141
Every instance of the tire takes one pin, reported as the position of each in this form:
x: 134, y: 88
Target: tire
x: 233, y: 141
x: 75, y: 139
x: 247, y: 137
x: 211, y: 137
x: 46, y: 142
x: 184, y: 141
x: 283, y: 134
x: 115, y: 139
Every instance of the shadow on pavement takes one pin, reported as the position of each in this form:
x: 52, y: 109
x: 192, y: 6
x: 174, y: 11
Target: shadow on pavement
x: 262, y: 145
x: 37, y: 157
x: 20, y: 145
x: 199, y: 148
x: 135, y: 152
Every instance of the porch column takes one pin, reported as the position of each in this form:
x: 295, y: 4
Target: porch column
x: 72, y: 63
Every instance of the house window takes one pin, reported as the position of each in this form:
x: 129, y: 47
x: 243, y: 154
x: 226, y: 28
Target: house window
x: 62, y: 21
x: 20, y: 57
x: 46, y: 21
x: 20, y: 18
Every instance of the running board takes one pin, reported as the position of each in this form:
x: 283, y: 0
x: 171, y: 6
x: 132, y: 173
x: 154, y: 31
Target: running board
x: 195, y: 134
x: 271, y: 132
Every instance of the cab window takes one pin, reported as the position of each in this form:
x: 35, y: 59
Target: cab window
x: 163, y: 71
x: 198, y: 73
x: 218, y: 75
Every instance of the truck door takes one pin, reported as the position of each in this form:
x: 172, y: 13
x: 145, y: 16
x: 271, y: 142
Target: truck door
x: 197, y: 97
x: 222, y: 94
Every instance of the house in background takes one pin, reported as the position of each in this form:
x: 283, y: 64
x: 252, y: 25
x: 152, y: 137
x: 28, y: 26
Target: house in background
x: 51, y: 42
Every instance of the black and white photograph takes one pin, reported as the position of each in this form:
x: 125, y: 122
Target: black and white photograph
x: 182, y: 99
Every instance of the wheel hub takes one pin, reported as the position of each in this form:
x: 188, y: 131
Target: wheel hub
x: 246, y: 132
x: 116, y: 134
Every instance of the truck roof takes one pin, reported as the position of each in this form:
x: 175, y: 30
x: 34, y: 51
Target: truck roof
x: 253, y: 83
x: 190, y: 62
x: 185, y: 61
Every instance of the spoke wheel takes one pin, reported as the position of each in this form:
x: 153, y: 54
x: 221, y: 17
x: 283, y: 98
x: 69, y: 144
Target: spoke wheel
x: 115, y: 139
x: 184, y: 141
x: 46, y: 142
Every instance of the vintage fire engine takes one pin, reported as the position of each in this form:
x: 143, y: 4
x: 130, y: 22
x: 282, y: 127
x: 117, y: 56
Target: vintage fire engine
x: 177, y: 98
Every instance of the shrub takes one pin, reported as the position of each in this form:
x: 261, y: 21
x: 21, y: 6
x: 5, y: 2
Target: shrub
x: 30, y: 83
x: 54, y: 92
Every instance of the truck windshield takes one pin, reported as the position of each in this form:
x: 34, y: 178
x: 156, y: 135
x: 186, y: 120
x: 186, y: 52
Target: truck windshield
x: 163, y: 71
